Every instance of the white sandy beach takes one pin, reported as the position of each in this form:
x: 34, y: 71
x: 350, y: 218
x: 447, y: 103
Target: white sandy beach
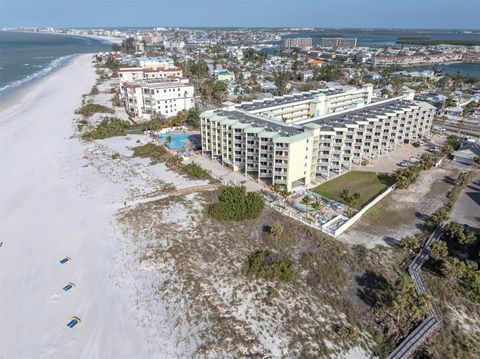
x: 53, y: 206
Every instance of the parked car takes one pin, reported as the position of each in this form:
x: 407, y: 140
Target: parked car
x: 405, y: 163
x: 416, y: 144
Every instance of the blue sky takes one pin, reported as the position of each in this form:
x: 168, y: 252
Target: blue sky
x: 308, y: 13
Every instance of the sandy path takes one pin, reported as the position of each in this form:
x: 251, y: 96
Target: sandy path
x: 46, y: 215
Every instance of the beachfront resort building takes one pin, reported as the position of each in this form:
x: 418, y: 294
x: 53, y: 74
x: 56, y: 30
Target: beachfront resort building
x: 157, y: 96
x: 339, y: 42
x: 295, y: 151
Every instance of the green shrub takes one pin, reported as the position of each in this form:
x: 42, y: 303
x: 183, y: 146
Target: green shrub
x: 195, y: 170
x: 91, y: 108
x: 472, y: 286
x: 109, y: 127
x: 94, y: 90
x: 235, y: 203
x: 270, y: 266
x: 150, y: 150
x: 407, y: 176
x: 116, y: 101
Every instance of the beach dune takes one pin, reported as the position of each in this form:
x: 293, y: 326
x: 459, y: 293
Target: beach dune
x: 47, y: 213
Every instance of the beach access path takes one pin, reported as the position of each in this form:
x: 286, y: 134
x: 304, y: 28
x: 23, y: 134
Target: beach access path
x: 45, y: 215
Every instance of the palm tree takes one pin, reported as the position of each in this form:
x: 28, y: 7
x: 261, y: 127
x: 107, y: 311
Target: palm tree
x: 317, y: 205
x: 276, y: 230
x: 169, y: 139
x: 306, y: 200
x: 174, y: 161
x: 422, y: 307
x: 410, y: 243
x: 345, y: 195
x: 439, y: 250
x: 452, y: 268
x: 277, y: 188
x: 355, y: 200
x: 285, y: 193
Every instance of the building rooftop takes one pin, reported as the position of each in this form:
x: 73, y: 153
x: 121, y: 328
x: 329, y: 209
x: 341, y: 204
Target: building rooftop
x: 326, y: 123
x: 282, y: 100
x: 158, y: 83
x: 269, y: 125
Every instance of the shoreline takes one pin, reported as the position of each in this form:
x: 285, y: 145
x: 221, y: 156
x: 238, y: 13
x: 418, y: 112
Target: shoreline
x: 106, y: 39
x: 11, y: 88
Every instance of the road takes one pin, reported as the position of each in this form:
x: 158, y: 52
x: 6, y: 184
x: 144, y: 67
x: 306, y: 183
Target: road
x: 467, y: 207
x: 464, y: 129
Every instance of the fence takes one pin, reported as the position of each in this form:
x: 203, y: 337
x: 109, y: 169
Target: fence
x: 298, y: 217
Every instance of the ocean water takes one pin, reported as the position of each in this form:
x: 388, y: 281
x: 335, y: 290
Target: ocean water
x: 25, y: 57
x: 452, y: 69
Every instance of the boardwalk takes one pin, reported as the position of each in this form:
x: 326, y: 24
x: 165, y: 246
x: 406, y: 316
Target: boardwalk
x: 433, y: 319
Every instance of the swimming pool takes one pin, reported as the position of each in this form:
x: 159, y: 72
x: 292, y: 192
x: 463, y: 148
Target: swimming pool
x: 178, y: 140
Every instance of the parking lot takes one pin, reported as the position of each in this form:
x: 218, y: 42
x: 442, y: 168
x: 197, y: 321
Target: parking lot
x: 390, y: 162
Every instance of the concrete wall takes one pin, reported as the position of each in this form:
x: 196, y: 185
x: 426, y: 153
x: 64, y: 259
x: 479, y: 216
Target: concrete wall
x: 359, y: 214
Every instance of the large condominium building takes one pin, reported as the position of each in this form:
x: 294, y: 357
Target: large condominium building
x: 304, y: 105
x: 297, y: 42
x: 158, y: 96
x: 298, y: 152
x: 339, y: 42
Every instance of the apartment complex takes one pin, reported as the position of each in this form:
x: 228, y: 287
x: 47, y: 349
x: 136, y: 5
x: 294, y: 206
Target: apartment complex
x: 304, y: 105
x: 160, y: 96
x: 297, y: 42
x: 277, y: 152
x: 339, y: 42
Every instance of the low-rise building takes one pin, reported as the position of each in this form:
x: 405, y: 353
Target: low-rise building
x: 297, y: 152
x: 467, y: 152
x: 158, y: 96
x: 453, y: 112
x: 316, y: 62
x: 225, y: 75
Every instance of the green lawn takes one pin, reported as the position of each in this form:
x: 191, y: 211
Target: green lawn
x: 368, y: 184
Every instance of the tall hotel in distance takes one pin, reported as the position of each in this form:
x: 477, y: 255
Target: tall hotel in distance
x: 293, y: 139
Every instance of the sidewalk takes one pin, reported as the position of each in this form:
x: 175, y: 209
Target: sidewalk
x: 226, y: 174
